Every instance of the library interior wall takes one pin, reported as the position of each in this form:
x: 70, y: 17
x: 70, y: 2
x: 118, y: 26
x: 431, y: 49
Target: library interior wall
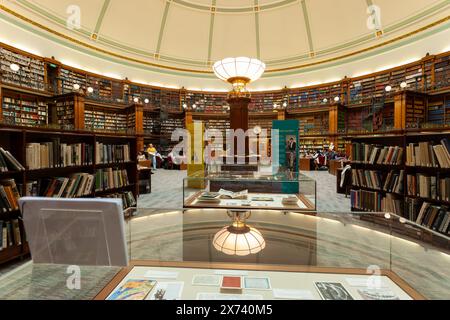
x: 429, y: 42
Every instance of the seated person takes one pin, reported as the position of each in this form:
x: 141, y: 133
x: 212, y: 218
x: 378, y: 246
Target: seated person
x: 141, y: 156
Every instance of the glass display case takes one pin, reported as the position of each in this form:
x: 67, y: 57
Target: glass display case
x: 250, y: 190
x: 299, y: 256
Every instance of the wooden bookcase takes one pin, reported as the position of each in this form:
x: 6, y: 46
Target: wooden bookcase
x: 403, y: 139
x: 15, y: 140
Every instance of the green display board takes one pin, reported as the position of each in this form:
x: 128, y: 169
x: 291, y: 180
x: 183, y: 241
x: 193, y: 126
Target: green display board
x: 285, y: 150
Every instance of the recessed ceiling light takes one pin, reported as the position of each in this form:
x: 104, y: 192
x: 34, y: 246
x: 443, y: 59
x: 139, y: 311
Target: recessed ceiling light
x: 90, y: 89
x: 14, y: 67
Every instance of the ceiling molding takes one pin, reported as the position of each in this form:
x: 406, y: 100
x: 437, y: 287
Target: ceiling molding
x: 279, y: 71
x: 101, y: 16
x: 234, y: 10
x: 211, y: 30
x: 308, y: 27
x: 161, y: 29
x: 258, y: 43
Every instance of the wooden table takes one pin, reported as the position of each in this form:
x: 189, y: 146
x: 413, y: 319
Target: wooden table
x: 305, y: 164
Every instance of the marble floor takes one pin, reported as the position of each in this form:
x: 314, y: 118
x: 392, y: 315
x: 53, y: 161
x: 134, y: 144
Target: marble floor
x: 167, y: 191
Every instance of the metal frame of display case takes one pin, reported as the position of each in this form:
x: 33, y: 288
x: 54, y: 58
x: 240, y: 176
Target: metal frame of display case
x: 231, y: 182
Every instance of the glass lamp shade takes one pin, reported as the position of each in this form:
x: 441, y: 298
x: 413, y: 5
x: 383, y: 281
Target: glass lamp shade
x: 242, y: 68
x: 240, y: 241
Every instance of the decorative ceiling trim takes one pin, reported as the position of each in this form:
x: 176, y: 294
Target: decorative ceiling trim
x: 211, y: 30
x: 258, y: 44
x: 271, y: 63
x: 308, y: 28
x: 245, y: 9
x: 98, y: 25
x: 278, y: 71
x: 161, y: 29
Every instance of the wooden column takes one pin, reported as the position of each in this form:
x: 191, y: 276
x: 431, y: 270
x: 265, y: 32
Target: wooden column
x: 281, y: 115
x: 78, y: 106
x: 333, y: 119
x: 139, y: 126
x: 239, y: 113
x: 400, y: 110
x: 239, y: 120
x: 139, y: 115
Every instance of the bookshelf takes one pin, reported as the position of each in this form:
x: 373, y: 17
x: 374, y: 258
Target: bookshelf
x: 34, y: 181
x: 24, y: 109
x: 408, y: 186
x: 31, y: 73
x: 109, y: 118
x: 69, y: 77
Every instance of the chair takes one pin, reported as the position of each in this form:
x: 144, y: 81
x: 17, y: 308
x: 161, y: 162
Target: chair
x: 320, y: 162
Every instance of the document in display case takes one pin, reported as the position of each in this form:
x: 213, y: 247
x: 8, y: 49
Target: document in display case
x: 250, y: 190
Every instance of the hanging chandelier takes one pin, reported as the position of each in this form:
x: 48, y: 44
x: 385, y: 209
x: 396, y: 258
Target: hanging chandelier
x: 239, y: 239
x: 239, y: 72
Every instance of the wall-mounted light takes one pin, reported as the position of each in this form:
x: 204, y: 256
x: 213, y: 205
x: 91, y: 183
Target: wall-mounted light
x: 325, y: 100
x: 336, y: 99
x: 194, y: 106
x: 285, y: 104
x: 388, y: 88
x: 403, y: 85
x: 184, y: 106
x: 14, y: 67
x: 90, y: 89
x: 146, y: 101
x: 76, y: 86
x: 136, y: 100
x: 275, y: 106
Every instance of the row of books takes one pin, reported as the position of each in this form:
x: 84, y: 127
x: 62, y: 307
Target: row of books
x: 9, y: 196
x: 128, y: 199
x: 426, y: 154
x: 374, y: 201
x: 8, y: 162
x: 376, y: 154
x: 392, y: 182
x: 436, y: 218
x: 112, y: 153
x: 108, y: 178
x: 55, y: 154
x: 77, y: 185
x: 425, y: 186
x: 10, y: 235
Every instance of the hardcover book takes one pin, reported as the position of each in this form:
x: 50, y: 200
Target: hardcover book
x: 133, y: 289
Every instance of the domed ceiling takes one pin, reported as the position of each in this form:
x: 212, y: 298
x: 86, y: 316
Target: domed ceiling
x: 189, y: 35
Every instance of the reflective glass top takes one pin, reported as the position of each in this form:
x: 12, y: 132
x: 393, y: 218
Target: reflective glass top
x: 360, y: 241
